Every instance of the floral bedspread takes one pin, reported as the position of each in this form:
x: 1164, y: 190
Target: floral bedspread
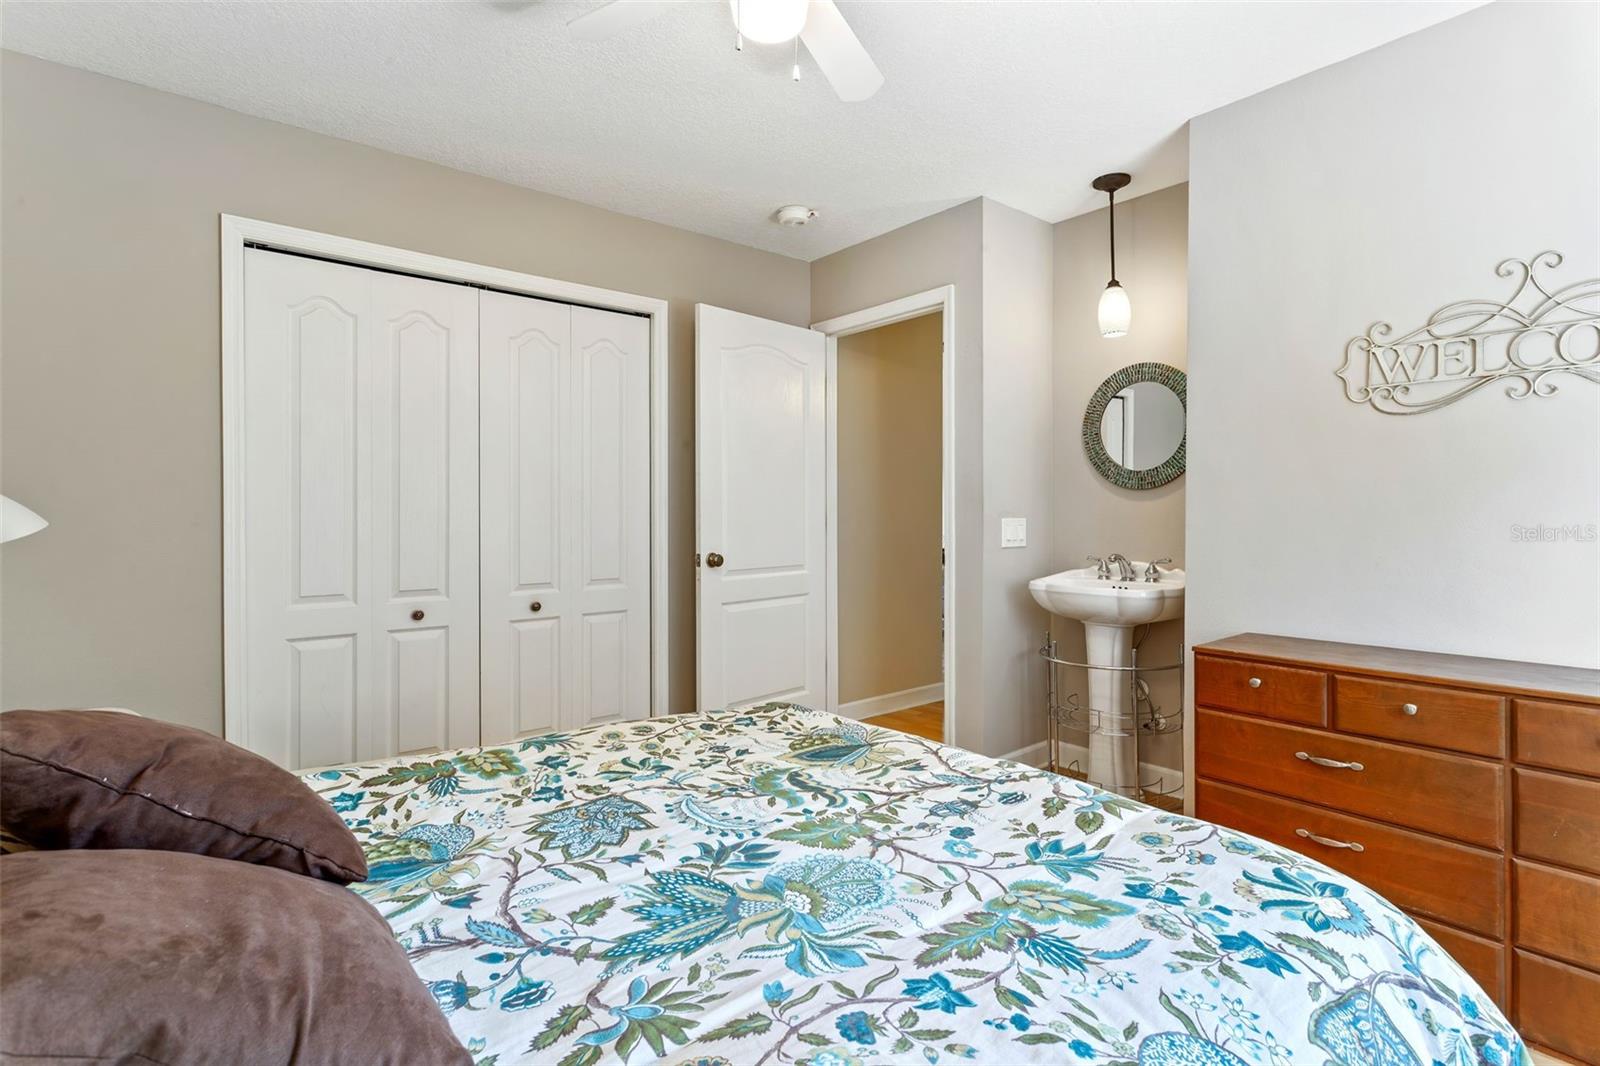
x: 782, y: 886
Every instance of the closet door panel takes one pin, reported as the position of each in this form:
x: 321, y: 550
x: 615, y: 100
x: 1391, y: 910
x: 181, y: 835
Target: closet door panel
x: 525, y: 380
x: 611, y: 507
x: 324, y: 693
x: 418, y: 689
x: 425, y: 486
x: 305, y: 506
x: 535, y: 683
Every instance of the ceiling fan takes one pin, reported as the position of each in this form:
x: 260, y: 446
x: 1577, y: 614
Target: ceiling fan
x: 817, y: 23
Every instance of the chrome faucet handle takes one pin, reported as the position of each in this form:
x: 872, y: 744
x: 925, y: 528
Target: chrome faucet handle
x: 1103, y: 572
x: 1152, y: 570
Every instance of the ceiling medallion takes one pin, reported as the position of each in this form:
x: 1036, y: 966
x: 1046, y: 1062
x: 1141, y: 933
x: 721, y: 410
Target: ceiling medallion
x: 1528, y: 341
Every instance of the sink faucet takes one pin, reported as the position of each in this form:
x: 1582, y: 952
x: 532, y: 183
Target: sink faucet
x: 1152, y: 572
x: 1124, y: 568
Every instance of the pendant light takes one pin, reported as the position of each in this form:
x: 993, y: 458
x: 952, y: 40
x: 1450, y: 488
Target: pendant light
x: 1115, y: 311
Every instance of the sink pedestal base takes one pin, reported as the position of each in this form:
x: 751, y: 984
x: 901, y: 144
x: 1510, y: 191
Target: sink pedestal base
x: 1113, y: 749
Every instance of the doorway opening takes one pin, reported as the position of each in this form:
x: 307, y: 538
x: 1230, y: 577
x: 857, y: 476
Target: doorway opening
x: 890, y: 518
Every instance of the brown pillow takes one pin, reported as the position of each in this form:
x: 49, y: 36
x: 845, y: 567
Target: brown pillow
x: 161, y: 957
x: 99, y: 779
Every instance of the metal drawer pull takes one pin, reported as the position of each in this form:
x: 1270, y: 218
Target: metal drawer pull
x: 1328, y: 842
x: 1255, y: 682
x: 1332, y: 764
x: 1408, y: 708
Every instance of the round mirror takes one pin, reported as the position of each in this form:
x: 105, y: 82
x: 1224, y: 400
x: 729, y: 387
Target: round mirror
x: 1133, y: 429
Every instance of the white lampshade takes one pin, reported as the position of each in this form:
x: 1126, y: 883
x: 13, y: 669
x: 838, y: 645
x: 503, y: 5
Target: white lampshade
x: 770, y: 21
x: 1115, y: 311
x: 17, y: 521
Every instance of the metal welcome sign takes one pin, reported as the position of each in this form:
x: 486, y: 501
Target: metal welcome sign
x: 1533, y: 341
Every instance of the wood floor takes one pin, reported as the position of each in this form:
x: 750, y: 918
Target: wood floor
x: 926, y: 721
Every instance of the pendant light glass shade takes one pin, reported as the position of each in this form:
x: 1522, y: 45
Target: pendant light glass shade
x: 16, y: 521
x: 1115, y: 311
x: 769, y: 21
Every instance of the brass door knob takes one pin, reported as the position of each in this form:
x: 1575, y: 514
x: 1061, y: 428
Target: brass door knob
x: 714, y: 560
x: 417, y: 616
x: 535, y: 606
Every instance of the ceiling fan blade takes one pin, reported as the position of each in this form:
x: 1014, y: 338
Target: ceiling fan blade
x: 608, y: 20
x: 831, y: 42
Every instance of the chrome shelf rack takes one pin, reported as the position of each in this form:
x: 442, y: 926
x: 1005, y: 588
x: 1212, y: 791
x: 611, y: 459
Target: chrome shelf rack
x: 1144, y: 717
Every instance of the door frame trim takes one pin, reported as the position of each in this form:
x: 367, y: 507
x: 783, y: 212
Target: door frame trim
x: 235, y: 232
x: 942, y: 300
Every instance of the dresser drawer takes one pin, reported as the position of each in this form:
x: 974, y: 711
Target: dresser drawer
x: 1484, y: 960
x: 1445, y: 794
x: 1558, y: 819
x: 1416, y: 872
x: 1562, y: 736
x: 1557, y: 1006
x: 1473, y: 722
x: 1281, y: 692
x: 1558, y: 913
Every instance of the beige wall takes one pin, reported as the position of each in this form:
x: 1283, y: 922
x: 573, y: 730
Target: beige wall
x: 890, y: 503
x: 1093, y: 516
x: 999, y: 261
x: 943, y: 249
x: 111, y: 413
x: 1017, y: 435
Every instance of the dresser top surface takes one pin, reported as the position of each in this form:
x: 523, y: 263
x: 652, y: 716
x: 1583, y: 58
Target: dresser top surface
x: 1502, y: 675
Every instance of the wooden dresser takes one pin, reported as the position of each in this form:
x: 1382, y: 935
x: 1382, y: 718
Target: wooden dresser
x: 1466, y: 791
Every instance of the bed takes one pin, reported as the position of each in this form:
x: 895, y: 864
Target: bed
x: 779, y: 886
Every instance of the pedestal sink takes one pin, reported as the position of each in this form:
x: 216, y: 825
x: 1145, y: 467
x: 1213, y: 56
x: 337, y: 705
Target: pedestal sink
x: 1109, y: 610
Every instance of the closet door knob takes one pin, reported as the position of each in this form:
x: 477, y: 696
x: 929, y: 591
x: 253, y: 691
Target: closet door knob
x: 417, y: 616
x: 714, y: 560
x: 535, y: 606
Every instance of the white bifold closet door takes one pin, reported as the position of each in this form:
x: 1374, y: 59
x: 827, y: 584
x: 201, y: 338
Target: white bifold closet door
x: 359, y: 512
x: 565, y: 490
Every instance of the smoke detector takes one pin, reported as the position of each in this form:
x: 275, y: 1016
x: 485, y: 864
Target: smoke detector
x: 794, y: 215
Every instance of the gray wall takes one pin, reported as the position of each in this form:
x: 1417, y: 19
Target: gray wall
x: 1017, y: 460
x: 111, y: 412
x: 943, y: 249
x: 891, y: 508
x: 1093, y: 516
x: 1383, y: 188
x: 1000, y: 263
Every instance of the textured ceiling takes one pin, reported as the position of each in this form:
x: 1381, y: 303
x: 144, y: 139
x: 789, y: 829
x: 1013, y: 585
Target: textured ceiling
x: 1021, y: 102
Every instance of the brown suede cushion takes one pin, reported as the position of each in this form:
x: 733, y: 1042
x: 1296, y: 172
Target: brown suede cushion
x: 162, y: 957
x: 99, y: 779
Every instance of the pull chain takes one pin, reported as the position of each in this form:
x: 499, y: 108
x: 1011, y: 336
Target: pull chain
x: 797, y: 59
x: 738, y: 33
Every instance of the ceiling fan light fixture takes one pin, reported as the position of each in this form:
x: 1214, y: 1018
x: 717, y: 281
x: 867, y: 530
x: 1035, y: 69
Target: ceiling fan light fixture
x: 769, y: 21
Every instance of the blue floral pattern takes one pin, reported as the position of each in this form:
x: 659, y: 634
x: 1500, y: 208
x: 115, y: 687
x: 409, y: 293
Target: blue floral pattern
x: 778, y: 887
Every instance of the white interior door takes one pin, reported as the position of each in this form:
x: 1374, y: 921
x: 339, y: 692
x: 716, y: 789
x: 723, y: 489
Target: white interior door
x: 760, y: 433
x: 565, y: 498
x: 359, y: 547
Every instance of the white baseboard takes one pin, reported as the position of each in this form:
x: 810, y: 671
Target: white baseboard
x: 892, y: 701
x: 1035, y: 755
x: 1161, y: 778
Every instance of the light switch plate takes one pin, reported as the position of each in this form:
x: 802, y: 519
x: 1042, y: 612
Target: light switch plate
x: 1013, y: 532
